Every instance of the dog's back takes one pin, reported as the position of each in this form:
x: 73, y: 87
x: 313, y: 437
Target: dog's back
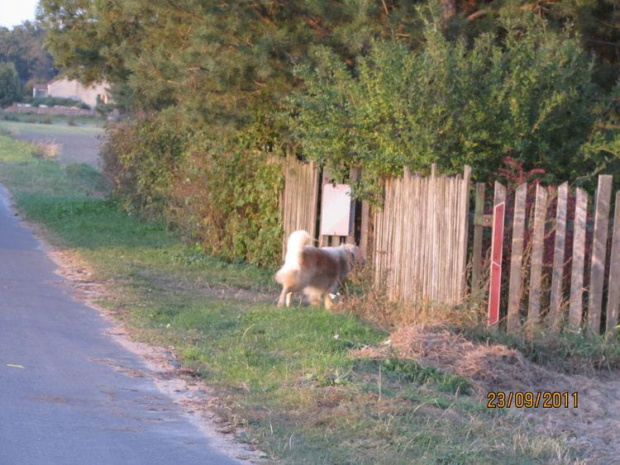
x: 324, y: 266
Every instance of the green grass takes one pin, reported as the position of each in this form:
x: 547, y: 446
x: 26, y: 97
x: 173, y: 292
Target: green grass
x: 288, y: 377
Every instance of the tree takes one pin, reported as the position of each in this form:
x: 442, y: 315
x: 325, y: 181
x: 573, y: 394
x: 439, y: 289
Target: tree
x: 593, y: 22
x: 9, y: 84
x: 23, y: 46
x: 214, y: 58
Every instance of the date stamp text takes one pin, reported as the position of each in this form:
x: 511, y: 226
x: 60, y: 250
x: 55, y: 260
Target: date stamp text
x: 527, y: 399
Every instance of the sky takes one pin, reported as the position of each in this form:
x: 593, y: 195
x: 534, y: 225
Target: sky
x: 15, y: 12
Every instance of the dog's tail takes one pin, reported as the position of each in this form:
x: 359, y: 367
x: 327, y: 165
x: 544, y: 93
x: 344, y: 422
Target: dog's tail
x: 294, y: 249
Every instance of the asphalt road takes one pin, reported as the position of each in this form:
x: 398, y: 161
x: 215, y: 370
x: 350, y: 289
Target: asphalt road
x: 62, y: 402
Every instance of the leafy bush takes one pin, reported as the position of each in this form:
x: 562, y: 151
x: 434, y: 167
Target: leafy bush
x: 229, y: 201
x: 525, y: 93
x: 225, y: 199
x: 141, y: 156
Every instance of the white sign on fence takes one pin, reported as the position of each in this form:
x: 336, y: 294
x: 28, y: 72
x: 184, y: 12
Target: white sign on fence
x: 335, y: 210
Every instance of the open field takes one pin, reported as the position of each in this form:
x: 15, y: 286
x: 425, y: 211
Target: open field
x: 66, y: 144
x: 304, y: 385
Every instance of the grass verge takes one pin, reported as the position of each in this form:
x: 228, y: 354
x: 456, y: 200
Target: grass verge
x: 287, y: 378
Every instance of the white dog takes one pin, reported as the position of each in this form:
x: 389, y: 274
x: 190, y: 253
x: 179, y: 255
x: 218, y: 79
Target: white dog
x: 317, y: 272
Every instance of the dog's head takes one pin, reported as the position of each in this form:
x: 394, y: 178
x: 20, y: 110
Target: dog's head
x: 355, y: 256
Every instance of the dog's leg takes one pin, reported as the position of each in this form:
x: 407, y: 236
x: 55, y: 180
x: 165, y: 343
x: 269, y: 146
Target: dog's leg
x: 284, y: 297
x: 331, y: 299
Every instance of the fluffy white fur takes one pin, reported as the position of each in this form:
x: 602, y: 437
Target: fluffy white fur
x: 317, y: 272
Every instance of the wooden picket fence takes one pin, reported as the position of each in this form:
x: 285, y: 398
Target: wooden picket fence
x: 395, y: 237
x: 589, y: 265
x: 418, y: 245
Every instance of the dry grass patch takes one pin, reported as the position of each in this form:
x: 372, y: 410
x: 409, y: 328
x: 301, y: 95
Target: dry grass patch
x: 47, y: 150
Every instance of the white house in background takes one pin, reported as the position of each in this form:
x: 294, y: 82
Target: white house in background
x: 69, y: 88
x: 39, y: 91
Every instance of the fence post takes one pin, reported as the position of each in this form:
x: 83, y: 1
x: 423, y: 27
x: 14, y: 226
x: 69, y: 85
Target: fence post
x: 538, y: 246
x: 325, y: 241
x: 495, y: 287
x: 462, y: 232
x: 599, y: 252
x: 516, y: 260
x: 613, y: 298
x: 579, y: 246
x: 555, y: 305
x: 354, y: 176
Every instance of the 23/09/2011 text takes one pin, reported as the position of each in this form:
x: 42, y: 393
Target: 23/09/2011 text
x: 527, y: 399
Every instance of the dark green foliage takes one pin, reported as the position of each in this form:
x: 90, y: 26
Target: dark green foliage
x: 528, y: 95
x: 224, y: 198
x: 215, y: 59
x: 9, y: 84
x: 142, y: 156
x: 23, y: 46
x: 228, y: 199
x: 213, y: 73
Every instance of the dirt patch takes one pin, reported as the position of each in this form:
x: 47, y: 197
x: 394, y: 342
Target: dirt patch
x: 592, y: 425
x: 220, y: 291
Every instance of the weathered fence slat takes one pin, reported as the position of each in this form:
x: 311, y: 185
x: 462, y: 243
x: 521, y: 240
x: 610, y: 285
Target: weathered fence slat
x: 516, y: 260
x: 613, y: 298
x: 579, y: 251
x: 555, y: 305
x: 431, y: 279
x: 499, y: 212
x: 299, y: 198
x: 599, y: 252
x: 476, y: 263
x: 395, y: 265
x: 365, y: 228
x: 461, y: 227
x: 408, y: 273
x: 538, y: 242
